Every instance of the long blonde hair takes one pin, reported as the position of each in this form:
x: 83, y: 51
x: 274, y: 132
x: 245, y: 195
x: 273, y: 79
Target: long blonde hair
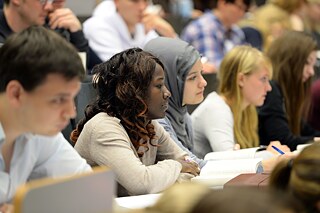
x: 246, y: 60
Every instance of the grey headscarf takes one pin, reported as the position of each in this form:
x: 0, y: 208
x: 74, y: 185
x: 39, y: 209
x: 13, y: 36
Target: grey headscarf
x: 178, y: 57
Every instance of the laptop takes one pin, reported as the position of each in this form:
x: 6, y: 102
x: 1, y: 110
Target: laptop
x: 91, y: 192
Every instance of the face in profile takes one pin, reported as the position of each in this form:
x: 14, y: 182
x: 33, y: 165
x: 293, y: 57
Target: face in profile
x: 308, y: 69
x: 34, y: 12
x: 131, y: 10
x: 194, y: 85
x: 47, y: 109
x: 254, y: 86
x: 158, y: 95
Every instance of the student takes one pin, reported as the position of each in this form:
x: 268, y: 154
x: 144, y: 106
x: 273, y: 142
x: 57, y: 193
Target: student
x: 300, y: 177
x: 37, y: 89
x: 229, y: 117
x: 281, y: 118
x: 215, y: 32
x: 131, y: 25
x: 17, y: 16
x: 118, y: 130
x: 228, y: 200
x: 184, y: 80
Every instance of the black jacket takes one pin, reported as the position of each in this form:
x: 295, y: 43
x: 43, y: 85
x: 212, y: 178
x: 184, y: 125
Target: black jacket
x: 273, y: 123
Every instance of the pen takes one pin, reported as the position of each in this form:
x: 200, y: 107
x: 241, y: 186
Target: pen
x: 278, y: 150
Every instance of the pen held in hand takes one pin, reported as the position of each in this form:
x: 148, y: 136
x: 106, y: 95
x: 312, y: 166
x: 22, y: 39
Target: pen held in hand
x: 278, y: 150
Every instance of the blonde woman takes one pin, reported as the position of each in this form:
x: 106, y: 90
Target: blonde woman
x: 229, y: 117
x: 276, y: 17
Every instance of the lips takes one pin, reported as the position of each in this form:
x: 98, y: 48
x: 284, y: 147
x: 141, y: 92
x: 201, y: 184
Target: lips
x: 165, y: 106
x: 200, y: 93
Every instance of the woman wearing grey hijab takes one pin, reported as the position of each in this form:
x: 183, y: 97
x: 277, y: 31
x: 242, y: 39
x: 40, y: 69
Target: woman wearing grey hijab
x: 185, y: 82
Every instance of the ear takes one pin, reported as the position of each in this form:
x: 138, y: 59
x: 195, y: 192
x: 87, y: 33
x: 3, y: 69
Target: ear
x: 240, y: 79
x: 15, y: 2
x: 14, y: 93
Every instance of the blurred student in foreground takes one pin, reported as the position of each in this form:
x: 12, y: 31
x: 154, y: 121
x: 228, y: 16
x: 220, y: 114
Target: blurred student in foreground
x: 196, y: 198
x: 37, y: 89
x: 300, y: 177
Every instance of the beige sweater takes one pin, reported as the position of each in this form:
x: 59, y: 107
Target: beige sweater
x: 104, y: 141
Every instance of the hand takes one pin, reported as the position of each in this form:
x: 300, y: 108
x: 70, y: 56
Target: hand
x: 64, y: 18
x: 270, y: 163
x: 316, y: 138
x: 236, y: 147
x: 153, y: 21
x: 189, y: 166
x: 6, y: 208
x: 277, y: 144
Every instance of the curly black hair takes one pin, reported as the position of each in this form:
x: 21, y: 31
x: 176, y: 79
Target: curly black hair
x: 122, y: 84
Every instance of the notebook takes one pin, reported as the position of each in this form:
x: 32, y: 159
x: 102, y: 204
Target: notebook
x: 91, y: 192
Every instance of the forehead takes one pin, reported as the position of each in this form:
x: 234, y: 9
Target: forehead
x: 130, y: 1
x: 158, y: 72
x: 56, y: 83
x: 197, y: 67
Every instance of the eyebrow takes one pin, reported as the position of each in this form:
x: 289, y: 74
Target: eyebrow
x: 194, y: 72
x: 62, y: 94
x: 159, y: 78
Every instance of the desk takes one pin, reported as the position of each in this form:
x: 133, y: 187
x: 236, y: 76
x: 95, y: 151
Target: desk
x: 136, y: 202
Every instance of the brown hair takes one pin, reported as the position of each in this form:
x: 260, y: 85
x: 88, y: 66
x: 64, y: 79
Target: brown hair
x: 122, y: 83
x: 289, y: 54
x: 300, y: 176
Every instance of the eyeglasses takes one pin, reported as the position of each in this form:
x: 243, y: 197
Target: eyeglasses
x: 43, y: 2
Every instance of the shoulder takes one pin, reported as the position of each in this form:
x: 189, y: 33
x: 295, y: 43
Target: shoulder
x: 45, y: 145
x: 102, y: 120
x: 213, y: 102
x: 100, y: 23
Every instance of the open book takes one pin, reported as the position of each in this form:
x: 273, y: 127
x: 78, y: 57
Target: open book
x: 217, y: 172
x: 232, y: 155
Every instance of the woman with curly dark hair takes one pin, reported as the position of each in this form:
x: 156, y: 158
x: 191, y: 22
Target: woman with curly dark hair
x: 118, y: 130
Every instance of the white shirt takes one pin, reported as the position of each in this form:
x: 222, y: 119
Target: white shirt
x: 212, y: 126
x: 104, y: 8
x: 108, y: 35
x: 36, y: 157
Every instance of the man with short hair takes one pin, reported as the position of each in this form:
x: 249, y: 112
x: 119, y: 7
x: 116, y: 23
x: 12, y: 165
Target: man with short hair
x: 123, y: 25
x: 18, y: 15
x: 39, y: 79
x: 215, y: 32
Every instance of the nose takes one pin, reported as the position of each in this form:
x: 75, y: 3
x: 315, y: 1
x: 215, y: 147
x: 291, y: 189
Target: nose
x: 269, y: 88
x: 70, y: 110
x: 203, y: 82
x: 142, y: 5
x: 166, y: 93
x: 48, y: 6
x: 311, y: 71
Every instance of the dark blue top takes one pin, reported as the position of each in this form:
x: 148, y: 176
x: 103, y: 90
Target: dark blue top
x: 273, y: 123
